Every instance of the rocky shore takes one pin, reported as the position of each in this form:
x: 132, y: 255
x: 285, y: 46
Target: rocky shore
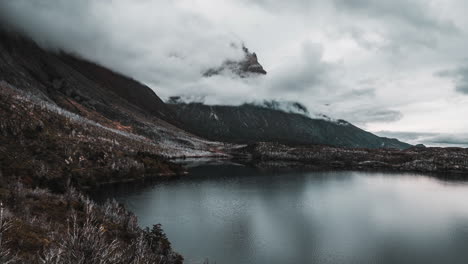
x: 415, y: 159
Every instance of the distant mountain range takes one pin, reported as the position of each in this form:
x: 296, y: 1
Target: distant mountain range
x: 251, y: 123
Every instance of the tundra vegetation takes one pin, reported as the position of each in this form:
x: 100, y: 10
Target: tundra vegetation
x: 37, y: 226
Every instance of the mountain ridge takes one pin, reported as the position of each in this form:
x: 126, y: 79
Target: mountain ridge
x: 252, y: 123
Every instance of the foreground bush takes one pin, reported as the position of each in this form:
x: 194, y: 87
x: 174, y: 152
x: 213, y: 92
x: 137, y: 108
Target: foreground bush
x: 39, y: 227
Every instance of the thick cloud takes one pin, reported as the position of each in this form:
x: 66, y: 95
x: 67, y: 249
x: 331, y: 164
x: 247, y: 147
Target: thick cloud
x: 459, y: 77
x: 375, y: 115
x: 417, y: 13
x: 370, y: 62
x: 160, y: 42
x: 292, y: 6
x: 306, y: 73
x: 397, y: 26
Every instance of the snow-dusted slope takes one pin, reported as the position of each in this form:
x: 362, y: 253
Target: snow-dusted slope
x: 85, y: 92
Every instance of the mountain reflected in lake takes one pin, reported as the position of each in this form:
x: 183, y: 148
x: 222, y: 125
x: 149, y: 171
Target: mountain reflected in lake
x: 233, y: 214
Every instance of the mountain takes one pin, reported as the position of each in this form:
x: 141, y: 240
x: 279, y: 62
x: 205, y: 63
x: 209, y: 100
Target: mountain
x: 248, y: 66
x: 91, y: 91
x: 65, y: 119
x: 65, y: 80
x: 250, y: 123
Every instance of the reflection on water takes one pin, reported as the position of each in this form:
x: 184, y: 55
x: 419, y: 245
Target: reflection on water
x: 233, y: 214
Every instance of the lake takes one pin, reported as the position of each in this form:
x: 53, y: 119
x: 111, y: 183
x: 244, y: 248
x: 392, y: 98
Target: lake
x: 233, y: 214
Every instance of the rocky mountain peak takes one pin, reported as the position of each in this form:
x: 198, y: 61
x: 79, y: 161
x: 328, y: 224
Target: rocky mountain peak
x: 246, y: 67
x: 250, y: 63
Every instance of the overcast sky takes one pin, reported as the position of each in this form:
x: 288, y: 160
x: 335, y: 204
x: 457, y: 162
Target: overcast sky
x: 397, y: 66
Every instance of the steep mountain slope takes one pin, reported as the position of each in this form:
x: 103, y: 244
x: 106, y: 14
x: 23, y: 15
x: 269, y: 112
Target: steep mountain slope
x: 131, y: 90
x: 58, y: 76
x: 94, y: 93
x: 249, y: 123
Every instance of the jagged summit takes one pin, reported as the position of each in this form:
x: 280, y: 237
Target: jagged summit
x: 248, y: 66
x: 251, y: 64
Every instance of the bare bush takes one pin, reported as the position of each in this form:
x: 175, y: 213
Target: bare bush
x: 47, y: 228
x: 90, y: 242
x: 116, y: 213
x: 139, y: 252
x: 6, y: 257
x: 85, y: 244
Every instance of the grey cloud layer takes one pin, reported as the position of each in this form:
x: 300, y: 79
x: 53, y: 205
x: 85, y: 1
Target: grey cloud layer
x: 416, y: 13
x: 459, y: 77
x: 307, y: 73
x: 151, y: 40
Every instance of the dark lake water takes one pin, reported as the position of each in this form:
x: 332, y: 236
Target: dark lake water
x: 232, y: 214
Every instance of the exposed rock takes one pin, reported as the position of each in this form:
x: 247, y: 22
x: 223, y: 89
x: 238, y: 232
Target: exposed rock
x: 250, y: 63
x: 244, y: 68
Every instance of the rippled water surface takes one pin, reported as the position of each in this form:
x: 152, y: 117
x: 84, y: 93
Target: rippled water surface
x: 232, y: 214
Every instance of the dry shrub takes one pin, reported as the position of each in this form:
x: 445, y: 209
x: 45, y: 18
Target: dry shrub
x: 47, y: 228
x: 6, y: 257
